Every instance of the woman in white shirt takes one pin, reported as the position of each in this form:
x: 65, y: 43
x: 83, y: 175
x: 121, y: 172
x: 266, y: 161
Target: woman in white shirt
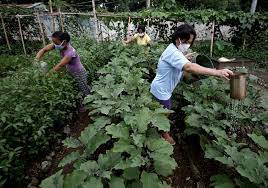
x: 173, y: 63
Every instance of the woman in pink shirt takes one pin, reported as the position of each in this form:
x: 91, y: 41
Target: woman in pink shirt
x: 69, y: 59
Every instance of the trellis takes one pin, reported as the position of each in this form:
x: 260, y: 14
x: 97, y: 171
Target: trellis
x: 61, y: 15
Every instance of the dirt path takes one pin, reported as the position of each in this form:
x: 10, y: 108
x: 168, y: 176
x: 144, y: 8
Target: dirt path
x: 37, y: 172
x: 192, y: 170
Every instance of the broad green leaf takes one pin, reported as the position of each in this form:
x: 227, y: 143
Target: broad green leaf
x: 135, y: 160
x: 90, y: 167
x: 131, y: 173
x: 109, y: 160
x: 71, y: 143
x: 150, y: 180
x: 221, y: 181
x: 216, y: 106
x: 96, y: 142
x: 163, y: 164
x: 88, y: 134
x: 104, y: 93
x: 118, y: 131
x: 139, y: 139
x: 117, y: 182
x: 217, y: 131
x: 123, y: 145
x: 159, y: 145
x: 55, y: 180
x: 105, y: 110
x: 106, y: 174
x: 123, y: 164
x: 75, y: 179
x: 163, y: 111
x: 140, y: 121
x: 161, y: 122
x: 143, y: 119
x: 101, y: 122
x: 136, y: 184
x: 193, y: 120
x: 93, y: 183
x: 260, y: 140
x: 69, y: 158
x: 117, y: 91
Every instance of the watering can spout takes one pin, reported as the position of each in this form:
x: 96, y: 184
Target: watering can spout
x: 238, y: 86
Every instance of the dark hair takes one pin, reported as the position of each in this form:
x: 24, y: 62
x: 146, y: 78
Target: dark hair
x: 62, y: 36
x: 142, y: 27
x: 183, y: 32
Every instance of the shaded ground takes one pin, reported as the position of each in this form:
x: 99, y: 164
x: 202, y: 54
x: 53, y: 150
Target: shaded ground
x: 37, y: 174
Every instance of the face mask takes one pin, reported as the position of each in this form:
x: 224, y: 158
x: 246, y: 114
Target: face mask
x: 141, y: 34
x: 59, y: 47
x: 183, y: 47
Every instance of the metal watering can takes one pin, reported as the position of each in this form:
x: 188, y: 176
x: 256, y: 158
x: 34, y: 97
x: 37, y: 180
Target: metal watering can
x: 203, y: 61
x: 238, y: 86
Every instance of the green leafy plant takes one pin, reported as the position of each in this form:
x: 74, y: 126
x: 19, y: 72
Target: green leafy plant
x: 127, y: 121
x: 228, y: 128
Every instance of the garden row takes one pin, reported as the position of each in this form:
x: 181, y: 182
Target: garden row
x: 231, y: 132
x: 35, y: 108
x: 123, y: 146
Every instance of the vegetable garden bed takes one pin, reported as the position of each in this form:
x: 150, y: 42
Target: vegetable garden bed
x: 119, y: 144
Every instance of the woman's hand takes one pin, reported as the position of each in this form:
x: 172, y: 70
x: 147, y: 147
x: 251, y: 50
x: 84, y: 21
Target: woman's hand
x: 49, y: 73
x: 225, y: 73
x: 35, y: 61
x: 190, y: 56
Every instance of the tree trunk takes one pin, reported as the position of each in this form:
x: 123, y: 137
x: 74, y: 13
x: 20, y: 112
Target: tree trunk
x: 253, y: 6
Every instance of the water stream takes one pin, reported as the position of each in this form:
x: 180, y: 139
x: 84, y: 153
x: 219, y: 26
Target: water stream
x: 236, y: 106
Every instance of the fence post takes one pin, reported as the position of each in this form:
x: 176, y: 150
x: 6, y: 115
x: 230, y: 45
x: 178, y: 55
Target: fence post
x: 212, y: 38
x: 21, y: 35
x: 41, y: 29
x: 51, y: 12
x: 148, y: 4
x: 128, y: 28
x: 95, y: 19
x: 61, y: 20
x: 5, y: 32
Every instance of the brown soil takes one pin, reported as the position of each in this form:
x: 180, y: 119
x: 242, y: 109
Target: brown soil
x: 60, y: 152
x: 192, y: 171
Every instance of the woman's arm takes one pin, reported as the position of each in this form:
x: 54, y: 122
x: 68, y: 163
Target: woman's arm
x: 129, y: 40
x: 62, y: 63
x: 197, y: 69
x: 44, y: 50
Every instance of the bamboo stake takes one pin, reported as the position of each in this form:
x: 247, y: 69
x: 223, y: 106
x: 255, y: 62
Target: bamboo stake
x: 244, y: 42
x: 109, y: 38
x: 128, y: 27
x: 212, y: 38
x: 79, y: 13
x: 51, y: 11
x: 102, y: 37
x: 4, y: 28
x: 148, y: 4
x: 61, y: 21
x: 41, y: 29
x: 95, y: 19
x: 21, y: 35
